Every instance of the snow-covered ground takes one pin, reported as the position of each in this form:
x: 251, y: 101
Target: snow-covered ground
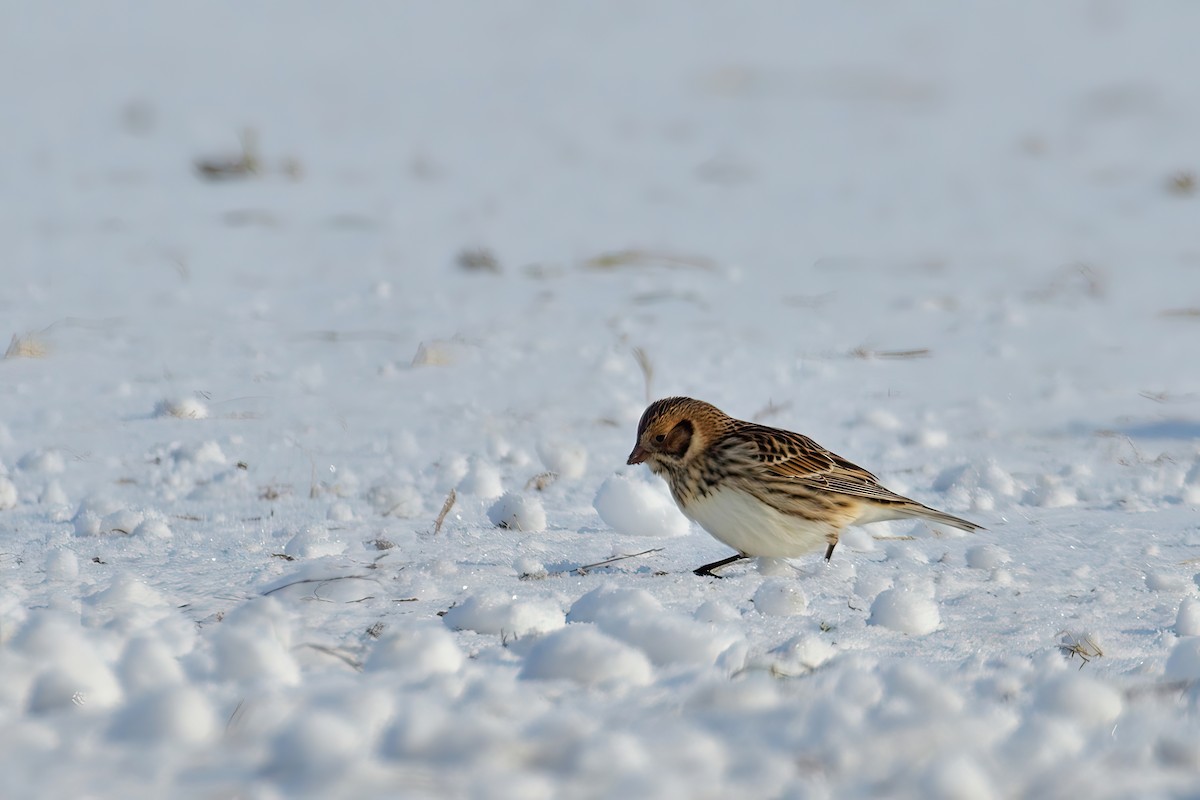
x: 956, y: 244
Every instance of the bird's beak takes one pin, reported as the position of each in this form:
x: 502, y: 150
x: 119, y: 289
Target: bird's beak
x: 638, y: 455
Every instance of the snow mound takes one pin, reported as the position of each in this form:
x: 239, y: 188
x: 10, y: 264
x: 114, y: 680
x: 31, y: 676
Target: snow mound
x: 395, y: 501
x: 44, y: 460
x: 313, y: 749
x: 638, y: 619
x: 314, y: 541
x: 582, y: 654
x: 609, y: 603
x: 181, y: 408
x: 1184, y: 662
x: 417, y: 652
x: 1187, y: 621
x: 518, y: 512
x: 780, y: 598
x: 496, y: 612
x: 634, y: 508
x: 906, y: 611
x: 1081, y: 698
x: 566, y: 459
x: 986, y: 556
x: 799, y: 655
x: 147, y: 664
x: 8, y: 494
x: 183, y: 715
x: 61, y: 565
x: 481, y: 480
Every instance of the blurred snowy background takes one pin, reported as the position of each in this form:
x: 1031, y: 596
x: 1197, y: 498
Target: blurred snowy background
x: 278, y: 277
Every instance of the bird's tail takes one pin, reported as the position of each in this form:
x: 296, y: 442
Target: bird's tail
x: 933, y: 515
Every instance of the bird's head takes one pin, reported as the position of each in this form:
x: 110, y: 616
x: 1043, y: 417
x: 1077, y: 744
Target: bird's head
x: 673, y: 430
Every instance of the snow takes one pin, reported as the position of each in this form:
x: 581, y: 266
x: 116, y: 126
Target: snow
x: 636, y: 508
x: 905, y: 610
x: 518, y: 512
x: 955, y: 244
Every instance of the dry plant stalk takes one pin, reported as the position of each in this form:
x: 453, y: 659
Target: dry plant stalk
x: 541, y: 481
x: 636, y: 257
x: 586, y: 567
x: 868, y: 353
x: 27, y: 346
x: 1085, y: 647
x: 241, y: 166
x: 446, y: 506
x: 769, y: 410
x: 643, y: 362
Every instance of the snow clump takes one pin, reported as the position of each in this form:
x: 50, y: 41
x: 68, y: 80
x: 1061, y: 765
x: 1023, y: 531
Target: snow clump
x: 635, y: 508
x: 582, y: 654
x: 906, y: 611
x: 518, y: 512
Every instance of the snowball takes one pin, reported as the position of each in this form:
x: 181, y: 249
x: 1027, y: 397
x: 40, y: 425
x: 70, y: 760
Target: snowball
x: 313, y: 748
x: 182, y: 408
x: 929, y: 438
x: 986, y: 556
x: 880, y: 419
x: 634, y: 508
x: 88, y: 520
x: 339, y: 512
x: 61, y: 565
x: 1041, y: 743
x: 450, y: 472
x: 148, y: 665
x: 50, y: 462
x: 1051, y: 493
x: 124, y: 521
x: 637, y: 618
x: 74, y: 684
x: 567, y: 459
x: 395, y: 501
x: 53, y: 494
x: 153, y: 529
x: 314, y: 542
x: 780, y: 598
x: 416, y: 652
x: 481, y: 480
x: 8, y: 494
x: 496, y: 612
x: 1187, y: 621
x: 1166, y: 582
x: 242, y: 655
x: 868, y: 584
x: 126, y: 591
x: 905, y: 611
x: 518, y: 512
x: 583, y: 654
x: 799, y: 655
x: 528, y: 567
x: 716, y: 611
x: 206, y: 452
x: 1081, y: 698
x: 958, y: 778
x: 610, y: 603
x: 180, y: 714
x: 1184, y: 662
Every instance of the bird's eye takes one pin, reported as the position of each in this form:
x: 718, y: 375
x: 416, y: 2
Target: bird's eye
x: 660, y: 438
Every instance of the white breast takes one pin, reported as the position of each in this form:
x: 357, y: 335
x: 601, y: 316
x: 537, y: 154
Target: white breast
x: 754, y: 528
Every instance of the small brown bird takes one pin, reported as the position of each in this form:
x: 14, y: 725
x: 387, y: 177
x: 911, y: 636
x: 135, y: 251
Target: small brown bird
x: 763, y: 491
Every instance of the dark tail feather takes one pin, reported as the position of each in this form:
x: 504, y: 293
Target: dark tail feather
x: 933, y: 515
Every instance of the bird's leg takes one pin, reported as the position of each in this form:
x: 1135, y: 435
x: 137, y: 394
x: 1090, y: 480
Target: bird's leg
x: 707, y: 569
x: 829, y: 550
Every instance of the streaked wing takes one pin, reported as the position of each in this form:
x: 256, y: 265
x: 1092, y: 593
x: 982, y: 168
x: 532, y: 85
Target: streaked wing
x: 781, y: 454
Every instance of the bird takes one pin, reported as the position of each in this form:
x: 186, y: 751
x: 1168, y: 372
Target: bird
x: 763, y: 491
